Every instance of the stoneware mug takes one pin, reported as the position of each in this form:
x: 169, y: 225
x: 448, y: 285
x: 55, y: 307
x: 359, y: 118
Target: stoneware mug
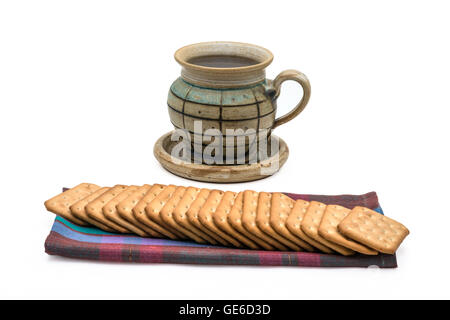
x: 223, y: 86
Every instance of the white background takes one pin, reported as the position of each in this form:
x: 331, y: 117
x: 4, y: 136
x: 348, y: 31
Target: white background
x: 83, y: 88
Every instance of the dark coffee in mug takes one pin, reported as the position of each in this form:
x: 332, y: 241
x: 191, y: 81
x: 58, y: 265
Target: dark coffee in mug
x: 222, y: 61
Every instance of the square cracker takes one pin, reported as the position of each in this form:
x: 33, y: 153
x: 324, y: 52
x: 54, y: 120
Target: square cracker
x: 328, y: 229
x: 235, y: 220
x: 60, y: 204
x: 167, y: 215
x: 154, y: 208
x: 221, y: 214
x: 94, y: 209
x: 281, y: 207
x: 125, y: 210
x: 263, y: 220
x: 180, y: 216
x: 310, y: 226
x: 373, y: 230
x: 111, y: 213
x: 249, y: 207
x: 140, y: 214
x: 294, y: 221
x: 206, y: 214
x: 192, y: 215
x: 78, y: 209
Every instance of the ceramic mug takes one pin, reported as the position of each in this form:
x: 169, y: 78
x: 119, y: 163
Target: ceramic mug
x: 223, y: 90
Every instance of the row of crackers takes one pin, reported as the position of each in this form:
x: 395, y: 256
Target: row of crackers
x: 248, y: 219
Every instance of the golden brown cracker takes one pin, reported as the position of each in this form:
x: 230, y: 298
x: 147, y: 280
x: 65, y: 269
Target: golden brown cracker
x: 263, y: 213
x: 235, y: 220
x: 141, y: 215
x: 167, y: 214
x: 263, y: 220
x: 281, y: 207
x: 94, y: 209
x: 111, y: 213
x: 249, y: 208
x: 294, y: 221
x: 221, y: 214
x: 206, y: 213
x: 328, y: 229
x: 180, y: 216
x: 310, y: 226
x: 78, y: 209
x: 373, y: 229
x: 60, y: 204
x: 125, y: 210
x: 192, y: 215
x: 154, y: 208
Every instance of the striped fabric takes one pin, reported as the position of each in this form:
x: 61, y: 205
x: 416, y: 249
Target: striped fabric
x: 73, y: 241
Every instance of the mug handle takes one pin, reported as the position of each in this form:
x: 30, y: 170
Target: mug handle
x: 276, y: 86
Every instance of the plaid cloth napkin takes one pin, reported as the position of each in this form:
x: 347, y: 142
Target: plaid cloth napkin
x: 69, y: 240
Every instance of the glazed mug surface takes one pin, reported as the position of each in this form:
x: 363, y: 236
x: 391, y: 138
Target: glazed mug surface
x: 223, y: 90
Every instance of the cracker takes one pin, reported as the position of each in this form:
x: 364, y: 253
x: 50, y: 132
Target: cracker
x: 111, y: 213
x: 373, y: 230
x: 328, y: 229
x: 94, y: 209
x: 249, y: 207
x: 206, y: 213
x: 310, y: 226
x: 167, y: 215
x: 263, y: 215
x: 78, y: 209
x: 294, y: 221
x: 281, y: 208
x: 60, y: 204
x: 141, y: 215
x: 180, y: 216
x: 221, y: 214
x: 263, y: 220
x: 154, y: 208
x: 192, y: 215
x: 235, y: 220
x: 125, y: 210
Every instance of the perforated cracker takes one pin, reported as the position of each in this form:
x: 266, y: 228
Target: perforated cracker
x: 235, y: 220
x: 167, y: 213
x: 207, y: 212
x: 140, y: 214
x: 111, y: 213
x: 154, y: 208
x: 281, y: 207
x: 222, y: 213
x: 250, y: 205
x: 125, y: 210
x: 310, y: 226
x: 180, y: 216
x: 328, y: 229
x: 60, y: 204
x: 94, y: 209
x: 373, y: 230
x: 78, y: 209
x: 263, y: 220
x: 192, y: 215
x: 294, y: 221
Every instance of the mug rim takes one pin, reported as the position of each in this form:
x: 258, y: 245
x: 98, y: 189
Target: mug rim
x: 183, y: 54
